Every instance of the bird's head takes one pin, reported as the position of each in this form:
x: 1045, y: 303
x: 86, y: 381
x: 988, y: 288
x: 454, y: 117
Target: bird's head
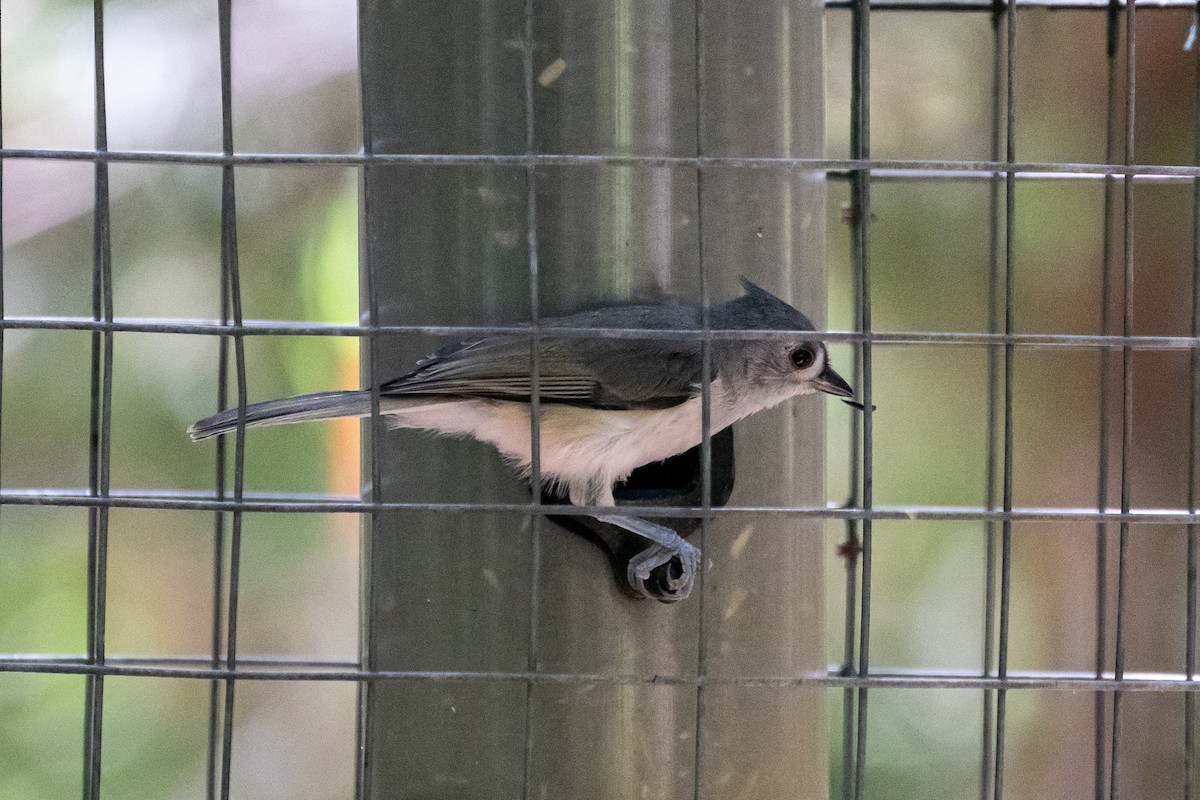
x: 784, y: 366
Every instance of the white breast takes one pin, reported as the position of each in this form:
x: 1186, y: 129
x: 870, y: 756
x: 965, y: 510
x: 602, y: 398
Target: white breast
x: 584, y: 450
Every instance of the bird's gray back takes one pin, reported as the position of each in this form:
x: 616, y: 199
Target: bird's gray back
x: 617, y: 372
x: 602, y: 372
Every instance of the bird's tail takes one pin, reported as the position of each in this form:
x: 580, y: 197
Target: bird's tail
x: 305, y: 407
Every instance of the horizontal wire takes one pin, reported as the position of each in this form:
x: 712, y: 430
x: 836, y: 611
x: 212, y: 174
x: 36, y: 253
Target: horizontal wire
x: 276, y: 662
x: 298, y: 328
x: 993, y: 5
x: 277, y: 669
x: 941, y: 174
x: 965, y: 166
x: 205, y: 501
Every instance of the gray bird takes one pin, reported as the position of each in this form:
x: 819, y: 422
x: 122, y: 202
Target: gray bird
x: 607, y: 405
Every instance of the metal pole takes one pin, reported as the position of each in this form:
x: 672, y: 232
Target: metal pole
x: 451, y: 244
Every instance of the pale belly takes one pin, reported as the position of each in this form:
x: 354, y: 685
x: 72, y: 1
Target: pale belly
x: 584, y: 450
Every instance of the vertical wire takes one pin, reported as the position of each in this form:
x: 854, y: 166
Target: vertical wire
x: 1126, y: 396
x: 364, y: 788
x: 218, y: 589
x: 101, y: 427
x: 987, y: 751
x: 1100, y: 701
x: 851, y: 548
x: 850, y: 551
x: 215, y: 705
x: 705, y: 402
x: 1193, y: 531
x: 229, y: 262
x: 1010, y: 190
x: 860, y: 149
x: 535, y: 520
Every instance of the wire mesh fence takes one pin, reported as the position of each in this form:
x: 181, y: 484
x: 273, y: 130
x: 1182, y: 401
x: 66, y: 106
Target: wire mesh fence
x: 862, y: 680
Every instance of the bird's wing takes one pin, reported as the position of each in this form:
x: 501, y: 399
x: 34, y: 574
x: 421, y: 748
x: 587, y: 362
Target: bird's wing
x: 602, y: 372
x: 641, y: 373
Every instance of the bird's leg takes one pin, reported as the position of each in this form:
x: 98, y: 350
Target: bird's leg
x: 666, y: 545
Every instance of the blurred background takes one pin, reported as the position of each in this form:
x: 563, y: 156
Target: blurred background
x: 296, y: 90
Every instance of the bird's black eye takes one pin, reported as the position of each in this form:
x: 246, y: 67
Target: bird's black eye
x: 803, y: 357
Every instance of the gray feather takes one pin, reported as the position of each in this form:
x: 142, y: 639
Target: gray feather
x: 609, y: 373
x: 605, y: 373
x: 759, y: 310
x: 305, y: 407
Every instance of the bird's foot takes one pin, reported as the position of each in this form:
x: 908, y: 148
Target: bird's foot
x: 666, y: 569
x: 664, y: 574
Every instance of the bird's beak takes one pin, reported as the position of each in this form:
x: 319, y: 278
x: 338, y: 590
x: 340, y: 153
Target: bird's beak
x: 830, y: 382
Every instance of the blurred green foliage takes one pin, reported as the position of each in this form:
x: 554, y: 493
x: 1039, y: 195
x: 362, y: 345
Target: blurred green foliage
x: 931, y: 99
x: 298, y: 244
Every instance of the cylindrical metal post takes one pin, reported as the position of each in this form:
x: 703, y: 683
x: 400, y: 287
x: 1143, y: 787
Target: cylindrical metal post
x: 447, y: 245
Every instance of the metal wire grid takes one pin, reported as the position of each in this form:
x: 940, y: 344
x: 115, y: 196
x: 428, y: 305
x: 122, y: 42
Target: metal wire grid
x: 1107, y: 749
x: 224, y: 669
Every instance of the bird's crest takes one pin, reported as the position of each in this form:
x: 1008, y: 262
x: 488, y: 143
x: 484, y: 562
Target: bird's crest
x: 758, y: 308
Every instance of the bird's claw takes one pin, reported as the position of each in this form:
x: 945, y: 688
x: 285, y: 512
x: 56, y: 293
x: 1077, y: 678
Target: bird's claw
x: 664, y: 573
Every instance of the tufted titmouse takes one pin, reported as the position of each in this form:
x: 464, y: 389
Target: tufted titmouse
x: 607, y: 405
